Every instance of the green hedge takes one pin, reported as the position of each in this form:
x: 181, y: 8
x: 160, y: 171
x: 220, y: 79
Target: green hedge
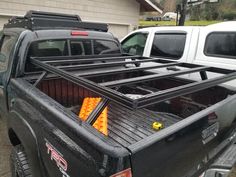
x: 229, y: 15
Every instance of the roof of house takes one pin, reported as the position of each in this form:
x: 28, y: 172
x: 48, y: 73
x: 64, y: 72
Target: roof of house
x: 148, y: 5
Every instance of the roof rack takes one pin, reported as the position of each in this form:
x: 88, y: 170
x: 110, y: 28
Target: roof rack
x: 37, y: 20
x: 110, y: 89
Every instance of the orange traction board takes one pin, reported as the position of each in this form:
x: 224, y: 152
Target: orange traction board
x: 88, y: 106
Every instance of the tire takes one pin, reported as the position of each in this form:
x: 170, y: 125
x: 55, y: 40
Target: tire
x: 19, y: 162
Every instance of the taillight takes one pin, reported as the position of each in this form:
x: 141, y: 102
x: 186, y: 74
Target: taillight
x: 125, y: 173
x: 79, y: 33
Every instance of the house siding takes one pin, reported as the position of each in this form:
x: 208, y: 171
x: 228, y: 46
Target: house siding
x: 122, y: 14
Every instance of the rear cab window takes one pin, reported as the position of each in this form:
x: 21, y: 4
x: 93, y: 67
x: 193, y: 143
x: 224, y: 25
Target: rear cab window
x: 168, y: 45
x: 48, y: 48
x: 71, y: 47
x: 135, y: 43
x: 221, y: 44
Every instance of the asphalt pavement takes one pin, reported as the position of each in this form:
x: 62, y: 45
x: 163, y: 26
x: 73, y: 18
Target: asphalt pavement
x: 5, y: 149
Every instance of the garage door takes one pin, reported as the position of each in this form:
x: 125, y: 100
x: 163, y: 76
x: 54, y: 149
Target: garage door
x: 119, y: 31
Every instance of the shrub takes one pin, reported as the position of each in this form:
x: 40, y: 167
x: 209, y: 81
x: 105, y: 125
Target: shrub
x: 229, y: 15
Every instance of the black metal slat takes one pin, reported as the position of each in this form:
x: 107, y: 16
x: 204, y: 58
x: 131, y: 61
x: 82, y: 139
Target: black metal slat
x: 100, y: 65
x: 151, y: 77
x: 125, y: 70
x: 64, y: 60
x: 182, y: 90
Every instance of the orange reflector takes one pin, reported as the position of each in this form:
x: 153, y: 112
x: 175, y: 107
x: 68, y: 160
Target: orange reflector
x: 125, y: 173
x: 79, y: 33
x: 87, y: 107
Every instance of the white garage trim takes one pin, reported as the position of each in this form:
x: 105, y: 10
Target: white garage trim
x: 10, y: 15
x: 154, y: 6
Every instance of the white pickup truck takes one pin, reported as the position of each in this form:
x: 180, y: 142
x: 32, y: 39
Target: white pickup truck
x: 213, y: 45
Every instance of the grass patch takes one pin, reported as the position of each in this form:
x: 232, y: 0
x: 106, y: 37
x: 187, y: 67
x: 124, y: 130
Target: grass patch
x: 173, y: 23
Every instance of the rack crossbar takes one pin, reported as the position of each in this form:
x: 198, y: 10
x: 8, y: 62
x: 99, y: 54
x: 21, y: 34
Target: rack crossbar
x: 126, y: 70
x: 141, y: 79
x: 164, y: 95
x: 64, y: 60
x: 110, y: 64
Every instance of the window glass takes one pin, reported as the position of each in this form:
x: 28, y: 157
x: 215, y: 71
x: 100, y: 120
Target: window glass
x: 77, y: 47
x: 168, y: 45
x: 105, y: 47
x: 81, y: 47
x: 5, y: 51
x: 221, y: 44
x: 48, y: 48
x: 135, y: 44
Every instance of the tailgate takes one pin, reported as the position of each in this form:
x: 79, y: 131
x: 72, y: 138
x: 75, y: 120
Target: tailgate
x: 188, y: 147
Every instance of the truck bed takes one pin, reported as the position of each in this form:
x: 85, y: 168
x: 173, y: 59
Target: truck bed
x: 197, y: 115
x: 128, y: 126
x: 136, y: 97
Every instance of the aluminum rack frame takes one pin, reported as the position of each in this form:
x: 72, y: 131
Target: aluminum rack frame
x: 38, y: 20
x: 109, y: 91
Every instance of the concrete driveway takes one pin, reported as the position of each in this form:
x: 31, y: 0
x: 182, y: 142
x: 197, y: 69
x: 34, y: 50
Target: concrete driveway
x: 5, y: 149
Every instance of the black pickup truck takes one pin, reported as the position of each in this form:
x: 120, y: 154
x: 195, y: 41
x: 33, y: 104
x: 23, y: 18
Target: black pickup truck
x: 138, y: 123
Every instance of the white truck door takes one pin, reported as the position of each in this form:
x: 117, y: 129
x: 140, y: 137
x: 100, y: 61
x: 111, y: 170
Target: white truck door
x: 217, y: 47
x: 170, y: 43
x: 135, y: 43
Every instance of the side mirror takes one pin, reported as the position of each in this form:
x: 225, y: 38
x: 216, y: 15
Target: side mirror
x: 2, y: 57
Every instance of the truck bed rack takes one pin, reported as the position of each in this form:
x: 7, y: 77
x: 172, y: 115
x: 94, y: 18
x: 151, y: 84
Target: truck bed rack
x: 110, y: 89
x: 38, y: 20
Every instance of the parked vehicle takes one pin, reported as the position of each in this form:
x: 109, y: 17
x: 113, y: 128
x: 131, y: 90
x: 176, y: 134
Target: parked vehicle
x: 76, y: 106
x: 154, y: 18
x: 169, y: 16
x: 213, y: 45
